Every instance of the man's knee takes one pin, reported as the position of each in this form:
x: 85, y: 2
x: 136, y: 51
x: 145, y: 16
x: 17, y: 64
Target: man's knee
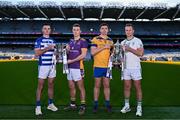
x: 40, y: 83
x: 81, y: 85
x: 137, y: 85
x: 97, y: 85
x: 127, y: 86
x: 106, y: 84
x: 71, y: 85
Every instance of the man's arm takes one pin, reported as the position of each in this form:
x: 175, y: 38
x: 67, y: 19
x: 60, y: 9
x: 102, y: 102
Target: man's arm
x: 39, y: 51
x: 67, y: 48
x: 139, y: 51
x: 112, y: 49
x: 95, y: 50
x: 80, y: 57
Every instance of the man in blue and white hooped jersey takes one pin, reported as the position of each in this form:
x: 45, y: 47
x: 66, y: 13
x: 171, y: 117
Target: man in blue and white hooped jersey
x: 45, y: 49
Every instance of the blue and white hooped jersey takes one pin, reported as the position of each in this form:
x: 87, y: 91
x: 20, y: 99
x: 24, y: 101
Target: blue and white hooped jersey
x: 45, y: 58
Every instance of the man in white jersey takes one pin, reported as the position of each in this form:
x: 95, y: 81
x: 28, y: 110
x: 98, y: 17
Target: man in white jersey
x: 133, y: 48
x: 44, y: 49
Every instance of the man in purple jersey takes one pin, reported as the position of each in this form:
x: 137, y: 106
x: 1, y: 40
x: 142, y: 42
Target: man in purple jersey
x: 77, y: 49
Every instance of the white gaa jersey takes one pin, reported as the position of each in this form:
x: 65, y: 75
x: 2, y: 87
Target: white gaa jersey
x: 132, y: 61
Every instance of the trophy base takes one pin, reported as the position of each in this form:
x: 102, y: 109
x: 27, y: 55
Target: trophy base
x: 116, y: 65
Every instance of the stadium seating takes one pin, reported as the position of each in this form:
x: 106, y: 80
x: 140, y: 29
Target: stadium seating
x: 159, y: 54
x: 163, y: 54
x: 142, y: 28
x: 21, y: 32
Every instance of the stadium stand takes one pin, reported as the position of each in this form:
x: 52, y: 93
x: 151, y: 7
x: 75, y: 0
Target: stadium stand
x: 21, y: 25
x: 64, y: 27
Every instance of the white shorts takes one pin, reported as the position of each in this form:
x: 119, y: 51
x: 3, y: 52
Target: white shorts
x: 74, y: 74
x: 46, y: 72
x: 132, y: 74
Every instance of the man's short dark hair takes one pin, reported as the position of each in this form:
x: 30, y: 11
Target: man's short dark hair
x: 76, y: 25
x: 103, y: 24
x: 129, y: 25
x: 47, y: 24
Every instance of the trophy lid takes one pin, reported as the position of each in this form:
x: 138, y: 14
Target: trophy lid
x: 117, y: 42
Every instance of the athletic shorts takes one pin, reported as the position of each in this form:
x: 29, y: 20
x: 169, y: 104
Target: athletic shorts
x: 45, y: 72
x: 132, y: 74
x: 100, y: 72
x: 74, y: 74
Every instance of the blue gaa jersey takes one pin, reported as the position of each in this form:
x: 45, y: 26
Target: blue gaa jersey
x: 46, y: 58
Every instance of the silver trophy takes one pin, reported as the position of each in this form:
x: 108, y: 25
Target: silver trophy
x: 122, y: 59
x: 64, y: 60
x: 109, y: 69
x: 59, y: 49
x: 54, y: 60
x: 62, y: 56
x: 119, y: 56
x: 117, y: 50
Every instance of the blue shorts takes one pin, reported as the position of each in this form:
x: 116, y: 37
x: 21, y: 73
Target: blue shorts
x: 100, y: 72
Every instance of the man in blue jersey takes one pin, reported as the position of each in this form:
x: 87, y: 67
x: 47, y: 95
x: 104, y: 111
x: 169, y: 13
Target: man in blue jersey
x: 44, y: 49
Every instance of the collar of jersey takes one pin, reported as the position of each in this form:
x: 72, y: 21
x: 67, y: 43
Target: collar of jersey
x: 46, y: 38
x: 130, y: 39
x: 76, y: 40
x: 107, y: 38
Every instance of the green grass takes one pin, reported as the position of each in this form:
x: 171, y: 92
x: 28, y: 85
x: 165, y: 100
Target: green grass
x: 18, y: 84
x: 27, y: 112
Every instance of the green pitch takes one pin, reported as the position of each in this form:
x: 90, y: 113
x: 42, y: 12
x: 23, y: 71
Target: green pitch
x: 18, y: 83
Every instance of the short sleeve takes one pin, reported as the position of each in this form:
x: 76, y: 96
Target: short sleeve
x: 139, y: 44
x: 122, y: 42
x: 93, y: 42
x: 84, y: 44
x: 54, y: 41
x: 111, y: 43
x: 70, y: 41
x: 38, y: 43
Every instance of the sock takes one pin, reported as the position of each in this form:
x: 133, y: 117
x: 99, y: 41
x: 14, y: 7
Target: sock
x: 96, y: 103
x: 107, y: 103
x: 83, y: 103
x: 126, y: 101
x: 139, y: 103
x: 38, y: 103
x: 50, y: 101
x: 73, y: 101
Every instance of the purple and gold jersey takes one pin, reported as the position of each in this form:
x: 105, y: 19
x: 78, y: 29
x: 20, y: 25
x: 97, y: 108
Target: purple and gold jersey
x: 76, y: 47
